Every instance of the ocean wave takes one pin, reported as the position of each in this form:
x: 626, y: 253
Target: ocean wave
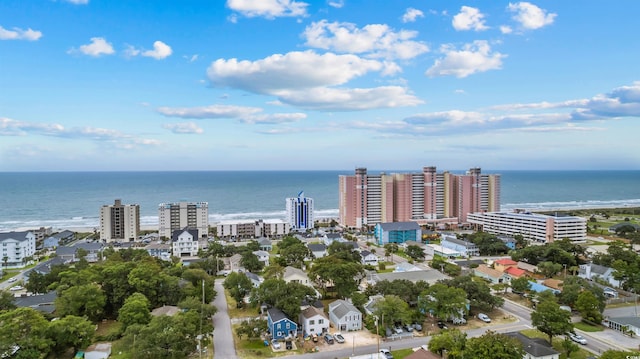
x: 568, y: 205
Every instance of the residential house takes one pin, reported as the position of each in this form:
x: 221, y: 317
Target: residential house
x: 42, y: 302
x: 184, y: 242
x: 515, y: 273
x: 263, y: 257
x: 265, y: 244
x: 532, y: 270
x: 314, y: 321
x: 329, y: 238
x: 93, y: 249
x: 592, y: 271
x: 234, y: 263
x: 616, y: 227
x: 368, y: 258
x: 318, y: 250
x: 465, y: 248
x: 415, y: 243
x: 98, y: 351
x: 535, y: 348
x: 65, y: 236
x: 397, y: 232
x: 539, y: 287
x: 430, y: 276
x: 255, y: 279
x: 422, y: 353
x: 345, y: 316
x: 159, y: 250
x: 279, y: 326
x: 502, y: 264
x: 51, y: 242
x: 438, y: 250
x: 295, y: 275
x: 67, y: 254
x: 490, y: 274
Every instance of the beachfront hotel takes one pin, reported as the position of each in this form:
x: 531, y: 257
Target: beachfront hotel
x: 534, y: 227
x: 119, y: 222
x: 300, y: 212
x: 17, y: 248
x: 249, y: 229
x: 425, y: 197
x: 180, y: 215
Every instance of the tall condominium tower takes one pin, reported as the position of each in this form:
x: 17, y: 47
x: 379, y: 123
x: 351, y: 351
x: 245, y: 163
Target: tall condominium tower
x: 119, y: 222
x: 181, y: 215
x: 300, y: 212
x: 424, y: 197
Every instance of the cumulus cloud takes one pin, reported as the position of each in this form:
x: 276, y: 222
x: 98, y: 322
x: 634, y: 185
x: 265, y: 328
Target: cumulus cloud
x: 160, y: 51
x: 98, y: 47
x: 506, y: 29
x: 530, y: 16
x: 183, y: 128
x: 472, y: 58
x: 19, y: 34
x: 252, y: 115
x: 375, y: 40
x: 305, y: 79
x: 412, y: 15
x: 269, y: 9
x: 469, y: 18
x: 10, y: 127
x: 623, y: 101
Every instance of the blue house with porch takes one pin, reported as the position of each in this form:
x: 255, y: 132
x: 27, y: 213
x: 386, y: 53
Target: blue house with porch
x: 279, y: 325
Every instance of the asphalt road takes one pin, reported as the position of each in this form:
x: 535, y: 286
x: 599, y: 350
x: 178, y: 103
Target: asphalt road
x: 223, y: 344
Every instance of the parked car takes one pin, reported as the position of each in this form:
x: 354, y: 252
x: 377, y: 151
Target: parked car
x: 485, y: 318
x: 338, y: 337
x: 398, y: 329
x: 276, y: 344
x: 328, y: 338
x: 417, y: 326
x: 387, y: 354
x: 408, y: 327
x: 12, y: 280
x: 578, y: 338
x: 16, y: 287
x: 288, y: 344
x: 441, y: 324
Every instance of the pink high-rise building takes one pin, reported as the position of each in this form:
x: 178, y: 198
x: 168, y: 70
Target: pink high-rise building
x: 426, y: 197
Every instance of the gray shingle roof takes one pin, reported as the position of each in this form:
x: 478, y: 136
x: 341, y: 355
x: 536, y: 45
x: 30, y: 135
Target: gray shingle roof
x: 18, y: 236
x: 276, y: 315
x: 340, y: 308
x: 178, y: 232
x: 430, y: 276
x: 317, y: 247
x: 535, y: 348
x: 400, y: 226
x: 41, y: 302
x: 460, y: 242
x: 630, y: 321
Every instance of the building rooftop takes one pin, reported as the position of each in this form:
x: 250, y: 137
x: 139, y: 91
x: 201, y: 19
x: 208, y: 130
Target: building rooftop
x: 18, y: 236
x: 536, y: 347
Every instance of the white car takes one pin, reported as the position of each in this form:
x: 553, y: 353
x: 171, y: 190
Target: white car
x: 578, y: 338
x: 16, y: 287
x: 276, y: 344
x: 12, y: 280
x: 485, y: 318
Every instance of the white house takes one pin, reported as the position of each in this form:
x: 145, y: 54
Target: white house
x: 314, y: 321
x: 255, y: 279
x: 16, y: 248
x: 263, y: 257
x: 184, y: 243
x: 98, y: 351
x: 592, y: 271
x: 369, y: 258
x: 295, y: 275
x: 345, y: 316
x: 465, y: 248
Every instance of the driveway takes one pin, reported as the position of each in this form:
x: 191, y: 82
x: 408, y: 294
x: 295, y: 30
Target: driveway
x: 223, y: 343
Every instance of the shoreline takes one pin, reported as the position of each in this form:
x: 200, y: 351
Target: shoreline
x: 155, y: 227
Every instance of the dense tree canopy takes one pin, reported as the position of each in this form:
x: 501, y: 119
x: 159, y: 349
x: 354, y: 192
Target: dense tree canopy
x: 443, y: 302
x: 453, y: 341
x: 492, y: 345
x: 550, y: 319
x: 478, y: 292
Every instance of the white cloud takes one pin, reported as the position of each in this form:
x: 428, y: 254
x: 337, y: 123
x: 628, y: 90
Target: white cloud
x: 411, y: 15
x: 183, y: 128
x: 19, y: 34
x: 506, y: 29
x: 469, y: 18
x: 472, y: 58
x: 336, y: 3
x: 191, y: 58
x: 375, y: 40
x: 98, y: 47
x: 242, y: 114
x: 78, y: 2
x: 159, y: 52
x: 269, y: 9
x: 303, y: 79
x: 530, y: 16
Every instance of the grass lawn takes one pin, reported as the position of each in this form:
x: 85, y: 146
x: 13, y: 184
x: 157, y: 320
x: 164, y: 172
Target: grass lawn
x: 235, y: 312
x: 588, y: 327
x: 402, y: 353
x: 557, y: 344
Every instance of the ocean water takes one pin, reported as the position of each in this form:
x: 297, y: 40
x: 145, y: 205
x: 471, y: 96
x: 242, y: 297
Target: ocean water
x: 73, y: 199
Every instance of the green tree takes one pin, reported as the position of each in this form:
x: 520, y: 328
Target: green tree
x: 37, y: 283
x: 478, y: 292
x: 252, y: 328
x: 71, y: 332
x: 293, y: 255
x: 492, y: 345
x: 443, y: 302
x: 343, y: 274
x: 550, y: 319
x: 238, y: 285
x: 589, y: 307
x: 453, y: 341
x: 619, y: 354
x: 136, y: 310
x: 282, y: 295
x: 393, y: 309
x: 27, y: 329
x: 416, y: 253
x: 6, y: 300
x: 165, y: 337
x: 569, y: 346
x: 85, y: 300
x: 549, y: 269
x: 520, y: 285
x: 251, y: 262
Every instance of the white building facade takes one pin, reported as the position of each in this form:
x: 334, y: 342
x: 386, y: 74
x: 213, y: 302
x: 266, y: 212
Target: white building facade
x: 16, y: 248
x: 532, y: 226
x: 119, y: 222
x: 178, y: 215
x: 184, y: 243
x: 300, y: 212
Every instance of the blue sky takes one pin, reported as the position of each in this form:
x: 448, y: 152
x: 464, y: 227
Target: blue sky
x: 283, y: 84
